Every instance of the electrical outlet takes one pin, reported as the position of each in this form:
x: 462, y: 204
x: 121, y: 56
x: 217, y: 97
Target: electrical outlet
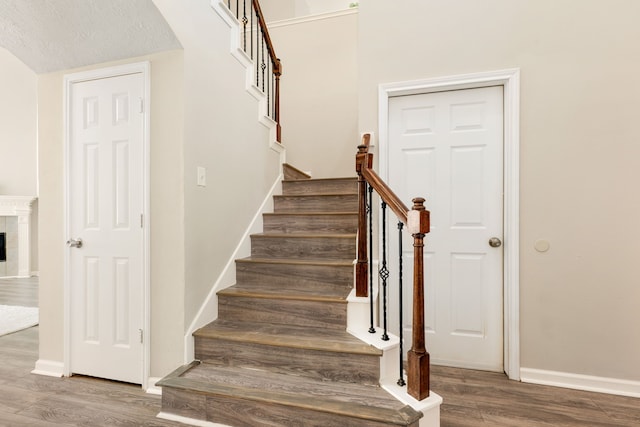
x: 202, y: 176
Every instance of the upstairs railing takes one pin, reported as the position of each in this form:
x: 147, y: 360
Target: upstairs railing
x: 416, y: 221
x: 257, y: 44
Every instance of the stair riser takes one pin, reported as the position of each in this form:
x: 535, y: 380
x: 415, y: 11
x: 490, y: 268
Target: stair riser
x: 316, y: 364
x: 338, y: 203
x: 314, y: 314
x: 246, y: 413
x: 316, y: 247
x: 329, y: 186
x: 327, y: 224
x: 293, y: 275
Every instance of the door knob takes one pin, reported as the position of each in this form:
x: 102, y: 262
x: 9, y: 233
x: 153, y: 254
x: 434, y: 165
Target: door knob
x: 495, y: 242
x: 73, y: 243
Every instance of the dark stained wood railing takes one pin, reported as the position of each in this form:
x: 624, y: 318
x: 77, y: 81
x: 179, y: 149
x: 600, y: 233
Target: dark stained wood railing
x: 257, y: 44
x: 417, y: 222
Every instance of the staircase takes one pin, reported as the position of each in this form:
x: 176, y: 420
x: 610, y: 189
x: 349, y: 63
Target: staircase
x: 279, y: 353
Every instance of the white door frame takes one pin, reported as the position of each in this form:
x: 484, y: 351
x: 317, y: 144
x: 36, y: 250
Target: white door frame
x: 510, y: 80
x: 69, y: 80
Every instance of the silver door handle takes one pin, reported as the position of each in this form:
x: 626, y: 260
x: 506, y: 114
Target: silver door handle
x: 494, y: 242
x: 73, y: 243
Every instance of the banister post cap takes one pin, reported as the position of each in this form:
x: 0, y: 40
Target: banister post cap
x: 424, y: 224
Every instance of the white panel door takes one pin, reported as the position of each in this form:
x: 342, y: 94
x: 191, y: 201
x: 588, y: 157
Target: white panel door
x: 105, y: 207
x: 447, y: 147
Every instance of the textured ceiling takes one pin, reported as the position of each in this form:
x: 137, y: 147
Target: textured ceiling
x: 53, y: 35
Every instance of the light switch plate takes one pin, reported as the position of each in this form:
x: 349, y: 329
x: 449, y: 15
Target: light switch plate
x: 202, y: 176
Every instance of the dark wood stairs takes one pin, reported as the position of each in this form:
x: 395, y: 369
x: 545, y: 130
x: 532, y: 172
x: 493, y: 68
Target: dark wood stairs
x: 279, y: 353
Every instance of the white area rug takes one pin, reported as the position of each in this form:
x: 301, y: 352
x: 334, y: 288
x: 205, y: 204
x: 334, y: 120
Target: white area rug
x: 14, y: 318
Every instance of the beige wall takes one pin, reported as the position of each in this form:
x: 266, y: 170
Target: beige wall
x: 223, y: 135
x: 579, y: 64
x: 319, y: 101
x: 19, y: 136
x: 18, y: 127
x: 167, y: 221
x: 201, y: 115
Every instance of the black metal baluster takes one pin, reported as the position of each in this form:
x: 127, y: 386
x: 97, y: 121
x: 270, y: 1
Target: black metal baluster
x: 401, y: 381
x: 384, y: 272
x: 251, y: 28
x: 258, y: 31
x: 369, y: 204
x: 269, y: 87
x: 237, y: 9
x: 263, y: 65
x: 245, y: 20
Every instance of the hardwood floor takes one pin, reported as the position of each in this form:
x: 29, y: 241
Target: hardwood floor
x: 471, y: 398
x: 486, y: 399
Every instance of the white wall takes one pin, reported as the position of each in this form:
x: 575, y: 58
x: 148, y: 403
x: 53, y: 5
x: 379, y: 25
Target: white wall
x: 167, y: 218
x: 18, y: 127
x: 579, y: 64
x: 319, y: 100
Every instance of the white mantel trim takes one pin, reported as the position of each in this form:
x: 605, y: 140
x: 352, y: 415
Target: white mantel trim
x: 20, y: 206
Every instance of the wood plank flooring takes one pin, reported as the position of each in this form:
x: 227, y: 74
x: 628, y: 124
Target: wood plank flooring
x: 486, y: 399
x: 471, y: 398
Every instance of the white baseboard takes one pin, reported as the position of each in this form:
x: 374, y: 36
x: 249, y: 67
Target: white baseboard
x: 49, y: 368
x: 581, y: 382
x: 151, y: 386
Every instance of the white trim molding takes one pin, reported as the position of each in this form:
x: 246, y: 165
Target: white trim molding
x: 312, y: 18
x: 143, y: 68
x: 152, y: 388
x: 49, y: 368
x: 581, y: 382
x: 510, y: 80
x: 235, y: 48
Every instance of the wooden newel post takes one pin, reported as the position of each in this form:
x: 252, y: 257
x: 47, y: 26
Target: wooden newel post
x: 362, y: 264
x: 418, y: 358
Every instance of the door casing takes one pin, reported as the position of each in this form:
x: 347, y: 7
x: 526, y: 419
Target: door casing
x: 69, y: 80
x: 510, y: 80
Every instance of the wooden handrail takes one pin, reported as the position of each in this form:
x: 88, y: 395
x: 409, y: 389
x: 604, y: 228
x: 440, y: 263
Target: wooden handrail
x: 277, y: 67
x: 418, y: 358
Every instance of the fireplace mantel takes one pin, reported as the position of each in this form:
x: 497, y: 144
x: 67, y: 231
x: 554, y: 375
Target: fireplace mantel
x: 20, y: 206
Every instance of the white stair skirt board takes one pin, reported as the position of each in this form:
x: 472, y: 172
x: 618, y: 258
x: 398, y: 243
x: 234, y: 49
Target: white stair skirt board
x: 237, y: 52
x: 49, y: 368
x: 358, y: 325
x: 208, y: 311
x: 581, y: 382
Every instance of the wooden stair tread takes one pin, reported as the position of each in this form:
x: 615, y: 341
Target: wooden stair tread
x: 347, y: 399
x: 309, y: 213
x: 290, y: 171
x: 283, y: 261
x: 287, y: 336
x: 312, y: 195
x: 346, y: 178
x: 271, y: 290
x: 306, y: 235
